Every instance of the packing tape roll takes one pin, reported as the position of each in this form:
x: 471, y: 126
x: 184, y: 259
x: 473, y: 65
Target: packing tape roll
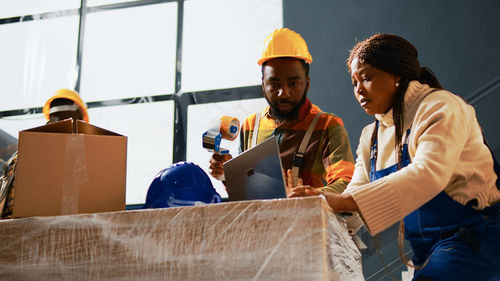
x: 229, y: 127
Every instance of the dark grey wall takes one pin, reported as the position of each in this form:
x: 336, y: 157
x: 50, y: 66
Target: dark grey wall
x: 458, y: 39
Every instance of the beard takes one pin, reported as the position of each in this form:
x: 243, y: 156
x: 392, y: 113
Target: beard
x: 292, y: 114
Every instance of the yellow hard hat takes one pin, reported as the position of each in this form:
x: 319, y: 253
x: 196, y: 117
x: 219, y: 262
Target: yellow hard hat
x: 285, y: 42
x: 67, y: 94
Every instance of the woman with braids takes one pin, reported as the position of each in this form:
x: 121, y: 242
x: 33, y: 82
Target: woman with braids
x: 424, y: 163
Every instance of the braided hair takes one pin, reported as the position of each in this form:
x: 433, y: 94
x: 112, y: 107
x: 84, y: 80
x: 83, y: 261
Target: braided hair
x: 395, y: 55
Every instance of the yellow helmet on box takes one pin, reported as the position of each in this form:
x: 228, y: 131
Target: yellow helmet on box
x: 70, y: 95
x: 285, y: 42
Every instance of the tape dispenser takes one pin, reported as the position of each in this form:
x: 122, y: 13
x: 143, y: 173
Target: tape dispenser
x: 226, y: 128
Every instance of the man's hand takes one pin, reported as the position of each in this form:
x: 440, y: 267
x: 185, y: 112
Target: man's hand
x: 216, y: 162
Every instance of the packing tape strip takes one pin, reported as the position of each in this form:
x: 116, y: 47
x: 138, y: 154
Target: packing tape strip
x: 229, y: 127
x: 75, y: 173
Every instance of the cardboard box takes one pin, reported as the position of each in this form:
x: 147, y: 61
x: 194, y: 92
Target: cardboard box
x: 284, y: 239
x: 61, y: 172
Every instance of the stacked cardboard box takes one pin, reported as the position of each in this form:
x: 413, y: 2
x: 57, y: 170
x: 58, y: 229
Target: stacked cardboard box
x: 286, y: 239
x: 62, y: 172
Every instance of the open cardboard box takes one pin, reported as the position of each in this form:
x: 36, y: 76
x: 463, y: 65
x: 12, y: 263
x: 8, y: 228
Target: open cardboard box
x: 62, y: 172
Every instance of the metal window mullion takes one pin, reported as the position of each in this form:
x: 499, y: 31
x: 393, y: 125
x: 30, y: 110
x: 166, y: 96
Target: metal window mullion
x: 202, y: 97
x: 79, y: 50
x: 72, y: 12
x: 181, y: 101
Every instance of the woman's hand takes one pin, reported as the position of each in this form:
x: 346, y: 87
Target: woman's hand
x: 302, y: 191
x: 338, y: 202
x: 341, y: 203
x: 298, y: 190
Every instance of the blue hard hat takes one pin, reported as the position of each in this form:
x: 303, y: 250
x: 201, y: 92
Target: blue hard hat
x: 181, y: 184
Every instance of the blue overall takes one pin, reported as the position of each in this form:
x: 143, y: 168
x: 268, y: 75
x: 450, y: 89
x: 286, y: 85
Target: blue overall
x: 460, y: 243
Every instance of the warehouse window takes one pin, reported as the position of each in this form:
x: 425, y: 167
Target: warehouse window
x: 37, y: 58
x: 129, y: 52
x: 13, y: 8
x: 223, y: 51
x: 155, y: 71
x: 149, y: 128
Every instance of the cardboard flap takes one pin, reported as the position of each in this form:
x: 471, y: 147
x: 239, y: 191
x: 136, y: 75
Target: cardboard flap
x: 87, y: 129
x: 64, y: 126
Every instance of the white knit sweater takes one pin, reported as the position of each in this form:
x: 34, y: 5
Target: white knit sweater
x: 447, y: 153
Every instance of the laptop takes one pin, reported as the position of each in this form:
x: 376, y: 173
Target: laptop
x: 256, y: 173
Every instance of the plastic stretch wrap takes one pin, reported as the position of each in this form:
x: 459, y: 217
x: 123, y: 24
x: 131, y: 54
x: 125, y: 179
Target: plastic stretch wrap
x: 287, y: 239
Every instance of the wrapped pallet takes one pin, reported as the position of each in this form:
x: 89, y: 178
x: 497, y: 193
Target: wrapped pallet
x: 286, y: 239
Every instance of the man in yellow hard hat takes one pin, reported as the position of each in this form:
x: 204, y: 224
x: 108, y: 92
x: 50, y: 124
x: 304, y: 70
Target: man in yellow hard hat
x: 314, y: 146
x: 62, y: 105
x: 65, y: 104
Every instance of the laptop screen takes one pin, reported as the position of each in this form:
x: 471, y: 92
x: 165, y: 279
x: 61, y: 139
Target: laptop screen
x: 256, y: 173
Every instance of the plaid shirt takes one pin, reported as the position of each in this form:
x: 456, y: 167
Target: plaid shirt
x: 328, y: 161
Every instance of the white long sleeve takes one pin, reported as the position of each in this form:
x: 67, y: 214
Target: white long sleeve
x: 447, y: 152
